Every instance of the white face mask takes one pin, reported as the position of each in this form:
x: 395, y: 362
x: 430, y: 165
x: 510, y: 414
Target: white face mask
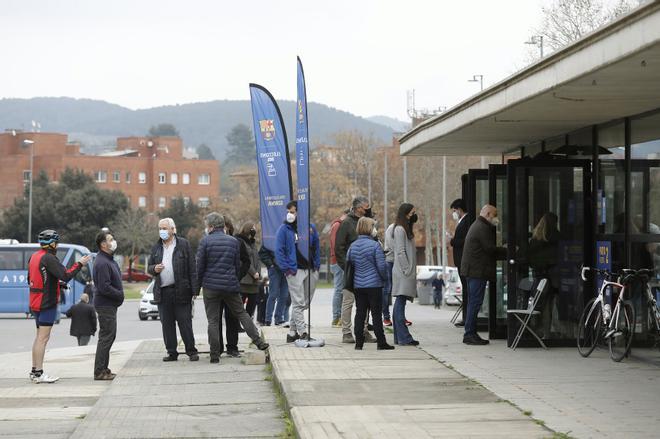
x: 454, y: 215
x: 113, y: 246
x: 290, y: 217
x: 495, y: 221
x: 374, y: 232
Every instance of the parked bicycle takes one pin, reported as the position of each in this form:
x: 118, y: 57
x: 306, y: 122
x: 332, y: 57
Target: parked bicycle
x: 599, y: 323
x: 653, y: 309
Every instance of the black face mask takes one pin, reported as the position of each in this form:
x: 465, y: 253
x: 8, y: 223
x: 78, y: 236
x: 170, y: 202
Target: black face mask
x: 253, y: 233
x: 368, y: 213
x: 413, y: 219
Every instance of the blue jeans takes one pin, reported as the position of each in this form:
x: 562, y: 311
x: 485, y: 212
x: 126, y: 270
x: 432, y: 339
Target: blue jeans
x: 338, y: 280
x: 401, y: 333
x: 476, y: 290
x: 387, y: 291
x: 278, y: 293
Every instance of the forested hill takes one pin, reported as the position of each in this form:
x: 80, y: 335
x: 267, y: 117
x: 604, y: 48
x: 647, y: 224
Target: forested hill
x: 97, y: 123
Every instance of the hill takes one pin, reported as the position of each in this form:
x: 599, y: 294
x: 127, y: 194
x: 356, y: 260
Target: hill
x: 96, y: 123
x: 397, y: 125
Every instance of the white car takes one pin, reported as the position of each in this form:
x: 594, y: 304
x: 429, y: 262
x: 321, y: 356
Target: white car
x: 453, y: 287
x: 147, y: 309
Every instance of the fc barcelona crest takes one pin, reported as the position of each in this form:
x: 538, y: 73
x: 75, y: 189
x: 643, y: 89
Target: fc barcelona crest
x: 267, y: 128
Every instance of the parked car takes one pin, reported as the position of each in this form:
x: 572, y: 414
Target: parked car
x: 135, y: 276
x: 453, y: 287
x: 147, y: 309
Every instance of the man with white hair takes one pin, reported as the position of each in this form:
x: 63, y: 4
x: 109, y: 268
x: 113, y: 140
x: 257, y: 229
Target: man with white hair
x: 172, y: 263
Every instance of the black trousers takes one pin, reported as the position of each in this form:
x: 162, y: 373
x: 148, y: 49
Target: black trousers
x: 261, y: 304
x: 368, y: 299
x: 250, y: 301
x: 107, y: 333
x: 171, y: 314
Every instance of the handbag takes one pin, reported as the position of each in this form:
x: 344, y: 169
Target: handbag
x: 349, y: 274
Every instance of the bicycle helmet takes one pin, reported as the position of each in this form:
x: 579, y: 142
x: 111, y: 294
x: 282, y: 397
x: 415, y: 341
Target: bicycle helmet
x: 47, y: 237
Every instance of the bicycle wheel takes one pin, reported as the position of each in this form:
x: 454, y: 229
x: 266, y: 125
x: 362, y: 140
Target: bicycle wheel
x: 589, y: 328
x: 624, y: 328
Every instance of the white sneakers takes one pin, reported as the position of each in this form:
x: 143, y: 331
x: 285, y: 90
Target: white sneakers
x: 43, y: 378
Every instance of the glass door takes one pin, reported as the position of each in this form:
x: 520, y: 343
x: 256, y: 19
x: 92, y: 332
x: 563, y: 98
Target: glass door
x: 549, y: 236
x: 478, y: 196
x: 497, y: 294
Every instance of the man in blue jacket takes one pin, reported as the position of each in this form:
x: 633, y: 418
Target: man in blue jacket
x: 109, y: 296
x: 297, y: 270
x: 218, y: 267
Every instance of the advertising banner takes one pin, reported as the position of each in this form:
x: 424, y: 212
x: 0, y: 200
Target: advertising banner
x: 302, y: 165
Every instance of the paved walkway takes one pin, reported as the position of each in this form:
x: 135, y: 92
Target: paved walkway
x: 336, y: 391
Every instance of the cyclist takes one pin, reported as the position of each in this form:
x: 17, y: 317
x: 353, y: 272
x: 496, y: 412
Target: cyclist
x: 45, y: 272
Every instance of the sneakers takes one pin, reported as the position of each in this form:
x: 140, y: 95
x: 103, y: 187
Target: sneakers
x: 410, y: 343
x: 348, y: 338
x: 106, y: 375
x: 42, y: 378
x: 474, y: 340
x: 387, y: 322
x: 292, y: 338
x: 384, y: 347
x: 336, y: 323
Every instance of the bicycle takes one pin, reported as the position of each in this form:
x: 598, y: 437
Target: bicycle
x: 653, y: 309
x: 599, y: 322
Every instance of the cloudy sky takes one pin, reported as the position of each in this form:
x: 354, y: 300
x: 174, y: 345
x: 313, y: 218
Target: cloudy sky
x: 359, y: 55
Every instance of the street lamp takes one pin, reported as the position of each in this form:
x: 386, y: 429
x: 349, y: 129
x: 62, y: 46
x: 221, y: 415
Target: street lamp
x: 536, y: 40
x: 479, y: 79
x: 30, y: 143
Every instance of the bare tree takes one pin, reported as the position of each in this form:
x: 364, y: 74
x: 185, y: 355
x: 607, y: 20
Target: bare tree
x: 565, y: 21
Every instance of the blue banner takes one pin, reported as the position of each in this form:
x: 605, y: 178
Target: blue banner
x: 302, y: 165
x: 272, y: 163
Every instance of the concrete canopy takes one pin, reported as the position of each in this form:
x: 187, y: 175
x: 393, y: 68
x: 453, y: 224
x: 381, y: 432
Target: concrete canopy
x: 611, y: 73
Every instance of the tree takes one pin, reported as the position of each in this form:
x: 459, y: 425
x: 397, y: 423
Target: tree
x: 75, y: 207
x: 242, y: 148
x: 163, y: 129
x: 134, y: 233
x: 204, y: 152
x: 565, y: 21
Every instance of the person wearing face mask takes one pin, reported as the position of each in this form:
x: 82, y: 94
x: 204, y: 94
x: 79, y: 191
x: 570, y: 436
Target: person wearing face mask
x: 45, y: 272
x: 404, y: 272
x: 479, y: 266
x: 457, y: 242
x: 252, y: 280
x: 346, y: 234
x: 172, y: 264
x: 297, y: 270
x: 109, y: 296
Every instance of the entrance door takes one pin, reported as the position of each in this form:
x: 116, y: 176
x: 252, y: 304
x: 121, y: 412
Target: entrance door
x: 549, y: 236
x: 497, y: 297
x: 477, y: 196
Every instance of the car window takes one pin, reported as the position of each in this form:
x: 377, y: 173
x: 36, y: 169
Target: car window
x: 12, y: 259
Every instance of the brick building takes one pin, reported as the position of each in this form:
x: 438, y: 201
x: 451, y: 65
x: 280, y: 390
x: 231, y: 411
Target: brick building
x: 151, y: 171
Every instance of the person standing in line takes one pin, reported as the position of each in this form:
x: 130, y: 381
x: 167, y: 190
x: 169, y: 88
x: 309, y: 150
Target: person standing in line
x: 109, y: 296
x: 404, y: 272
x: 457, y: 242
x: 479, y: 266
x: 389, y: 264
x: 346, y: 234
x: 278, y: 290
x: 368, y: 258
x: 45, y: 272
x: 83, y: 320
x: 172, y: 264
x: 297, y: 270
x: 337, y: 272
x: 252, y: 280
x: 438, y: 285
x: 218, y: 268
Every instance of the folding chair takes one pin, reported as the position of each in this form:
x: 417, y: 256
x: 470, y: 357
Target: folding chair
x: 459, y: 311
x: 525, y: 315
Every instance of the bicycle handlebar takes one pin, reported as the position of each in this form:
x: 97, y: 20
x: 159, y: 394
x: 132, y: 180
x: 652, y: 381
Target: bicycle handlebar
x: 628, y: 272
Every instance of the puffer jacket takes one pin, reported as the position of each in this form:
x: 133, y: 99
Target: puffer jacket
x: 218, y: 262
x: 368, y: 259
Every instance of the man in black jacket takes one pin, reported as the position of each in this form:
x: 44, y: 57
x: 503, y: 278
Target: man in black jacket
x: 173, y: 266
x: 479, y: 266
x: 109, y: 296
x: 83, y: 320
x: 459, y: 214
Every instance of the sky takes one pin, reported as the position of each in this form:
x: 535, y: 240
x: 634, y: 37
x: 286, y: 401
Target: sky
x: 361, y: 56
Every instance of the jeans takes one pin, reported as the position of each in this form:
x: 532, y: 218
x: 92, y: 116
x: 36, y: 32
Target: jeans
x: 365, y: 299
x: 338, y: 280
x: 170, y: 314
x: 278, y: 292
x: 83, y: 340
x: 464, y: 296
x: 401, y: 332
x: 107, y: 334
x: 437, y: 298
x: 476, y: 290
x: 299, y: 299
x: 387, y: 292
x: 214, y: 300
x: 231, y: 329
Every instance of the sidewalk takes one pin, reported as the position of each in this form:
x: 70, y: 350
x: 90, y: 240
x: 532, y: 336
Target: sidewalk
x: 336, y: 391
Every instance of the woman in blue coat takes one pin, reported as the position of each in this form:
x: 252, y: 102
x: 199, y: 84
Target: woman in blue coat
x: 368, y: 258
